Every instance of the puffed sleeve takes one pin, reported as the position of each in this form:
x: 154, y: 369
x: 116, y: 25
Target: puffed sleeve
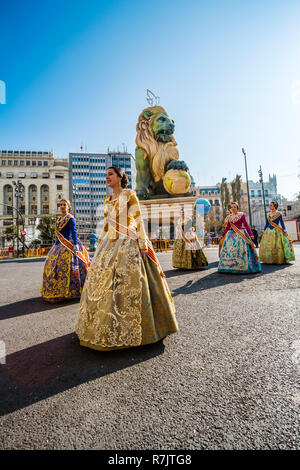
x: 134, y: 211
x: 105, y: 224
x: 74, y: 233
x: 226, y: 229
x: 281, y: 222
x: 244, y: 220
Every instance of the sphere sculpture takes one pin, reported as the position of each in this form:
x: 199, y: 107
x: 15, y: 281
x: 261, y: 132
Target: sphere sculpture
x: 202, y: 206
x: 155, y: 154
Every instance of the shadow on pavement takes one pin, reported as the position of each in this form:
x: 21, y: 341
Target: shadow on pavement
x: 216, y: 279
x: 49, y: 368
x: 179, y: 272
x: 34, y: 305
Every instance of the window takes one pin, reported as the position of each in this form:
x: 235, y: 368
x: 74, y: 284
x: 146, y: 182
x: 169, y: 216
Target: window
x: 59, y: 175
x: 22, y: 175
x: 34, y: 163
x: 33, y: 175
x: 266, y: 192
x: 22, y: 162
x: 45, y: 163
x: 289, y: 208
x: 3, y: 162
x: 40, y: 163
x: 252, y: 192
x: 27, y: 163
x: 31, y: 221
x: 59, y: 187
x: 9, y: 175
x: 16, y: 163
x: 259, y: 192
x: 9, y: 162
x: 45, y: 175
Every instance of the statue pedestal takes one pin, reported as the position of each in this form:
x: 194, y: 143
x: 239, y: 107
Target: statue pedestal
x: 162, y: 215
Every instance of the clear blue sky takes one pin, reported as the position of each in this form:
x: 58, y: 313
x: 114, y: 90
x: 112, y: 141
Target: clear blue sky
x: 76, y: 73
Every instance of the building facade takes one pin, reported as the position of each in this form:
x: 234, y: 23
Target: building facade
x: 88, y: 185
x: 257, y: 200
x: 43, y: 179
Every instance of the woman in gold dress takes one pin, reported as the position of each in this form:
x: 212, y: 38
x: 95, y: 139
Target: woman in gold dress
x: 125, y: 301
x: 187, y: 251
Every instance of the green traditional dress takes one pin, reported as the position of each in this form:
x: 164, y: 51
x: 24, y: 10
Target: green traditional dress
x: 275, y: 247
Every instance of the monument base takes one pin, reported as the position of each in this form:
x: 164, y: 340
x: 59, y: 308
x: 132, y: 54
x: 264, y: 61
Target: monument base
x: 162, y: 215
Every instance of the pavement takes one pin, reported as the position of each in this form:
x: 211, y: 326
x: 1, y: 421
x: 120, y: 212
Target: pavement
x: 229, y: 379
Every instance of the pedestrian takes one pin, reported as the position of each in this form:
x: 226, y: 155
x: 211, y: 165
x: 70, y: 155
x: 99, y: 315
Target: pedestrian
x: 255, y: 234
x: 238, y: 253
x: 187, y: 251
x: 125, y: 301
x: 275, y: 246
x: 10, y: 251
x: 67, y: 262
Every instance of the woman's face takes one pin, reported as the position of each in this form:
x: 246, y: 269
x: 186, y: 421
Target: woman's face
x: 63, y: 207
x: 228, y: 212
x: 112, y: 179
x: 272, y: 207
x: 234, y: 208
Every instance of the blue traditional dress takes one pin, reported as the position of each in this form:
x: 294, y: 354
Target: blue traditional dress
x: 238, y: 254
x: 66, y: 265
x: 275, y: 247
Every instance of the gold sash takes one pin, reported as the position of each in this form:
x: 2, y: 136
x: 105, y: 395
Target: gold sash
x: 67, y: 244
x: 239, y: 232
x: 192, y: 243
x: 122, y: 230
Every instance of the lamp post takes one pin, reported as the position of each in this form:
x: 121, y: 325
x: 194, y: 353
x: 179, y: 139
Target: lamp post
x: 23, y: 223
x: 249, y: 208
x: 19, y: 190
x: 263, y: 191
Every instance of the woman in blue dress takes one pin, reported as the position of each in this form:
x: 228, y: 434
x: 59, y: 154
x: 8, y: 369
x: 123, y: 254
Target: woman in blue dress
x: 275, y: 247
x: 67, y: 262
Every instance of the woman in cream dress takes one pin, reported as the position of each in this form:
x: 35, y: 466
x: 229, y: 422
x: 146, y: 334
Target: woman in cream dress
x: 125, y: 301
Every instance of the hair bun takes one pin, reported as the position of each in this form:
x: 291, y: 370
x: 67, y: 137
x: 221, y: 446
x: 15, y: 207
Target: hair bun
x: 124, y: 180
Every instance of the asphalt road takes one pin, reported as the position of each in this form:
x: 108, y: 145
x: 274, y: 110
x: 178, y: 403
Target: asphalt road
x: 230, y: 379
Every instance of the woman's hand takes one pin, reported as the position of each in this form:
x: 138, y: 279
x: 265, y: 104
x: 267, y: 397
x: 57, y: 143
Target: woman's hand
x: 144, y: 254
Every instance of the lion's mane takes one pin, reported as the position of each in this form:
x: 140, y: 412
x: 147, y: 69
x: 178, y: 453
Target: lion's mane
x: 159, y: 153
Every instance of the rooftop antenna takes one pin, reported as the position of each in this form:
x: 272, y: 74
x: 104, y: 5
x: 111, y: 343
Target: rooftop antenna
x: 152, y: 99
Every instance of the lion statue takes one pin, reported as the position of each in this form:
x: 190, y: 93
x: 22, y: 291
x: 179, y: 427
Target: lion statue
x: 156, y: 154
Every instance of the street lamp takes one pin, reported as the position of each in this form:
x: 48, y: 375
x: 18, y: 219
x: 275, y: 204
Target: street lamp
x: 249, y: 208
x: 19, y: 190
x: 263, y: 191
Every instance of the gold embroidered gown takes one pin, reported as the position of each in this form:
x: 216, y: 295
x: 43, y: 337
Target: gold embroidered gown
x: 125, y: 301
x: 187, y: 251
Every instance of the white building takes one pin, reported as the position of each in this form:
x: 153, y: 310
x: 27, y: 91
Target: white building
x: 44, y: 181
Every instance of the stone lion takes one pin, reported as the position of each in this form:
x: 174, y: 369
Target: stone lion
x: 155, y: 152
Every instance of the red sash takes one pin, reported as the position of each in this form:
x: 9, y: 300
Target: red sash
x: 239, y: 232
x: 67, y: 244
x: 121, y: 229
x: 192, y: 243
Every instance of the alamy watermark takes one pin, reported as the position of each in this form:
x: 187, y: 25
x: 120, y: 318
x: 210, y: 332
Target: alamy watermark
x: 2, y: 353
x: 2, y: 92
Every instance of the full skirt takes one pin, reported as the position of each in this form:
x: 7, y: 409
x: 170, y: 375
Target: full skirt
x: 237, y: 256
x: 125, y: 301
x: 275, y: 247
x: 185, y: 258
x: 64, y: 275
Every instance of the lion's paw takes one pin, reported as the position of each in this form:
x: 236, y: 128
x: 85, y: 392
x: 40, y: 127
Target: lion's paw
x: 177, y: 165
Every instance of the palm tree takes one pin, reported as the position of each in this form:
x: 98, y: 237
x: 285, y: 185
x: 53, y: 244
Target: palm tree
x: 10, y: 233
x: 236, y: 188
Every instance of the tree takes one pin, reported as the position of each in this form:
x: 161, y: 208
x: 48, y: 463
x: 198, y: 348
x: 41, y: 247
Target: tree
x: 46, y: 228
x: 10, y: 233
x: 236, y: 188
x: 224, y: 195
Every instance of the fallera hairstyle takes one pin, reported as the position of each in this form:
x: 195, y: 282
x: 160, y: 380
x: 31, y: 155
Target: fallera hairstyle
x: 68, y: 202
x: 275, y: 204
x: 121, y: 174
x: 234, y: 202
